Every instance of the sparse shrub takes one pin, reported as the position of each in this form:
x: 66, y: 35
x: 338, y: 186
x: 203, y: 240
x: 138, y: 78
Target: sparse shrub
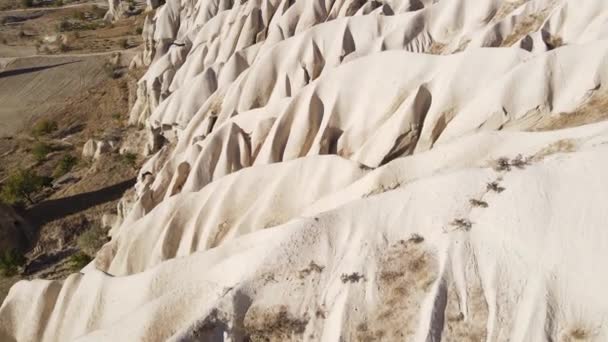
x: 21, y: 185
x: 139, y: 30
x: 79, y: 16
x: 502, y: 164
x: 129, y: 158
x: 44, y: 127
x: 40, y: 151
x: 519, y: 161
x: 351, y: 278
x: 494, y: 186
x: 65, y: 165
x: 416, y: 238
x: 478, y: 203
x: 91, y: 240
x: 463, y: 224
x: 27, y: 3
x: 10, y: 261
x: 79, y: 260
x: 58, y: 3
x: 124, y: 43
x: 64, y: 25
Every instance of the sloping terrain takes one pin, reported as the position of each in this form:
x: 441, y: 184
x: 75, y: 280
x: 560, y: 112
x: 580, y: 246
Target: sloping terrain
x: 345, y: 170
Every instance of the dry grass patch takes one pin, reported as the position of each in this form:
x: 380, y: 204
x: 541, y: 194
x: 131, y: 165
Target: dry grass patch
x: 274, y: 324
x: 526, y: 25
x: 506, y: 8
x: 560, y: 146
x: 593, y: 109
x: 407, y: 271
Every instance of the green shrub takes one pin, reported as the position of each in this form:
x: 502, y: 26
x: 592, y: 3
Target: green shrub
x: 44, y: 127
x: 27, y: 3
x: 40, y: 151
x: 91, y: 240
x: 79, y: 260
x: 64, y: 25
x: 129, y: 158
x: 10, y: 261
x: 139, y: 30
x: 79, y: 16
x: 65, y: 165
x: 21, y: 185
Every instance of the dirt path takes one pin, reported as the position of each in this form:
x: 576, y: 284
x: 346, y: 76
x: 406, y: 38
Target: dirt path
x: 101, y: 4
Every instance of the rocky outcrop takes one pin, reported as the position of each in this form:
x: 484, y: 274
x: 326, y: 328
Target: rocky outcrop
x: 93, y: 149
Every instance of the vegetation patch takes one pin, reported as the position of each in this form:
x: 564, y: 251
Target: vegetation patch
x: 494, y: 186
x: 312, y: 268
x: 65, y: 165
x: 40, y: 150
x: 10, y: 261
x: 274, y: 324
x: 462, y: 223
x: 478, y: 203
x: 351, y: 278
x: 21, y: 185
x: 44, y: 127
x: 129, y: 159
x: 79, y: 261
x: 92, y: 240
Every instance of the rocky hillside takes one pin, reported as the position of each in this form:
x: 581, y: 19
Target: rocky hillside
x: 348, y: 170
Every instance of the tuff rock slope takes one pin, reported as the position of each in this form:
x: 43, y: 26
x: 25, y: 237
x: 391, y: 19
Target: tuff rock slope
x: 345, y: 170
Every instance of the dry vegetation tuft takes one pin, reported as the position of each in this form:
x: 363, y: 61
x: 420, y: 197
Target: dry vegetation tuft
x: 592, y: 110
x: 311, y: 269
x: 405, y: 276
x: 273, y: 324
x: 495, y: 187
x: 560, y: 146
x: 530, y: 23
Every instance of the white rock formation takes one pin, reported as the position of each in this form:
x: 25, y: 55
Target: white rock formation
x: 93, y: 148
x: 118, y: 9
x: 343, y: 170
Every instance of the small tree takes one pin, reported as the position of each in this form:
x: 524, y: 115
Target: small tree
x: 21, y: 185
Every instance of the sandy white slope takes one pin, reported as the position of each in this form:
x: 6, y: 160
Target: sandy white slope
x: 344, y: 170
